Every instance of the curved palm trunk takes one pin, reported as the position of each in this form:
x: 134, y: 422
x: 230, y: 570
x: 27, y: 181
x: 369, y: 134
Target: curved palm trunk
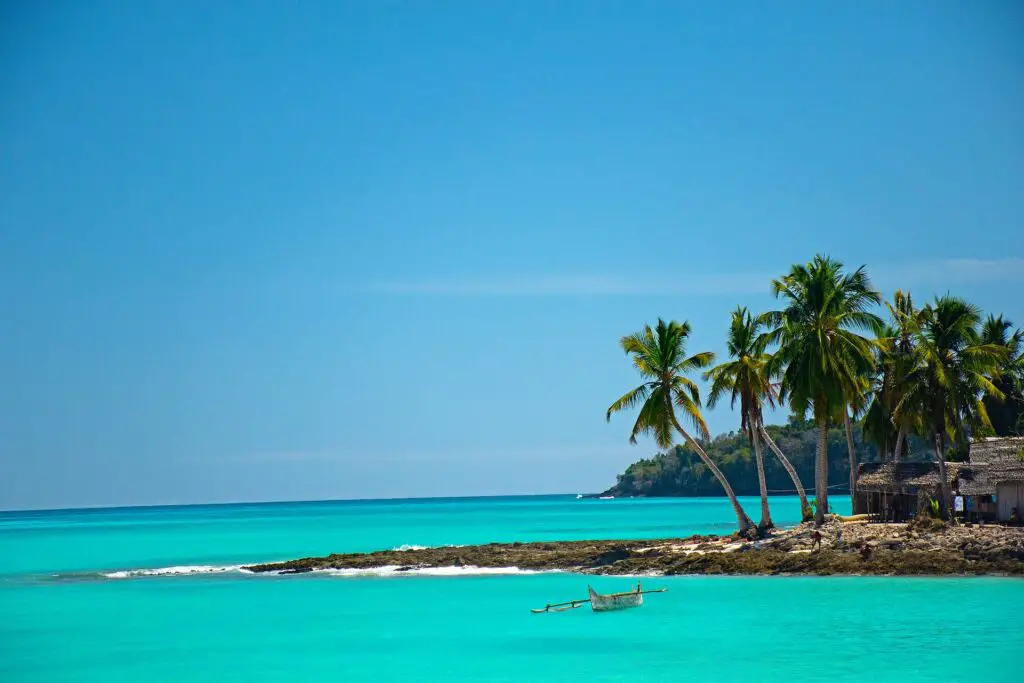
x: 851, y: 450
x: 898, y: 453
x: 821, y: 473
x: 946, y: 502
x: 766, y: 515
x: 798, y: 485
x: 742, y: 519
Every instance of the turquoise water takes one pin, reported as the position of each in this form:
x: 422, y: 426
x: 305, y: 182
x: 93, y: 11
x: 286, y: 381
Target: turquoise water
x: 61, y: 619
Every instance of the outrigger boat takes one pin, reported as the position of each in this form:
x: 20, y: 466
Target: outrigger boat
x: 603, y: 603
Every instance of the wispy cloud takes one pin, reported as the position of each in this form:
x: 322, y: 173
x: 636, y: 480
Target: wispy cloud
x: 450, y: 454
x: 937, y: 272
x: 277, y: 456
x: 947, y: 272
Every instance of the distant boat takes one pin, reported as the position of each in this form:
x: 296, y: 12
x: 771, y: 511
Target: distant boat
x: 606, y: 498
x: 578, y: 496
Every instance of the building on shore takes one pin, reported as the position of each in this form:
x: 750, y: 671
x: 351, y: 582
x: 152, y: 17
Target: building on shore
x: 898, y: 491
x: 988, y: 487
x: 997, y: 471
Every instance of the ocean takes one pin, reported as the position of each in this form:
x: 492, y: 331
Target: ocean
x: 155, y: 594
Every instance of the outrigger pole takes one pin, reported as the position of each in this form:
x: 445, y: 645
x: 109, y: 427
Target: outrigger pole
x: 561, y: 606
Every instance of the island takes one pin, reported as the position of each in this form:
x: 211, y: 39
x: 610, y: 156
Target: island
x: 922, y: 547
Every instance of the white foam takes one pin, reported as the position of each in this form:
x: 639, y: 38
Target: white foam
x: 394, y: 570
x: 412, y: 546
x: 183, y: 570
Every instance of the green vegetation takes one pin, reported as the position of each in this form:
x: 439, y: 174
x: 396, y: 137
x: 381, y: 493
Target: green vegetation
x: 679, y: 472
x: 821, y: 358
x: 1007, y: 415
x: 935, y: 375
x: 745, y: 378
x: 659, y: 355
x: 952, y: 371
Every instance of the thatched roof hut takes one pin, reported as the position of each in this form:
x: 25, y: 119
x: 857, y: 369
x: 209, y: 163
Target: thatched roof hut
x: 975, y: 482
x: 995, y: 468
x: 999, y: 452
x: 993, y: 460
x: 996, y: 459
x: 891, y: 476
x: 898, y: 491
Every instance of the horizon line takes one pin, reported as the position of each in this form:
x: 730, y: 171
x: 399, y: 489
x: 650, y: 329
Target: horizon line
x: 143, y: 506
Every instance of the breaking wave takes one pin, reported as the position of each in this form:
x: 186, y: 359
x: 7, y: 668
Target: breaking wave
x: 413, y: 546
x: 396, y: 570
x: 184, y: 570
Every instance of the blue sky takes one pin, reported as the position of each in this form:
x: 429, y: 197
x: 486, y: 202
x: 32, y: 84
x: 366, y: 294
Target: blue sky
x: 268, y: 250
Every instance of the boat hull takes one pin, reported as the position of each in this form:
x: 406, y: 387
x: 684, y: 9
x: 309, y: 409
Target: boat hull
x: 615, y: 601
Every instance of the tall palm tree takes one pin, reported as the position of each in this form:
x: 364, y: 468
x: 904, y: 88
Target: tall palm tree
x: 744, y: 379
x: 659, y: 355
x: 950, y: 376
x: 821, y: 356
x: 877, y: 424
x: 1006, y: 415
x: 893, y: 360
x: 901, y: 354
x: 857, y: 399
x: 805, y: 508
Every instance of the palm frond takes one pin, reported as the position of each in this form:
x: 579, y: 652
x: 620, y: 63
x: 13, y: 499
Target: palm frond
x: 629, y: 400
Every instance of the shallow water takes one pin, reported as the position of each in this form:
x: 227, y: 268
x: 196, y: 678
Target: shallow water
x: 62, y: 620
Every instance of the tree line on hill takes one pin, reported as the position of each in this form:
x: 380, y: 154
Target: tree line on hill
x: 680, y: 472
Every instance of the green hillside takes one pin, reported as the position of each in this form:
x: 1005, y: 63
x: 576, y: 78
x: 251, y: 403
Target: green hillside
x: 681, y: 473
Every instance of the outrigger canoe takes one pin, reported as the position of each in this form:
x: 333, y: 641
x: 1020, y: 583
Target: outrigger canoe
x: 603, y: 603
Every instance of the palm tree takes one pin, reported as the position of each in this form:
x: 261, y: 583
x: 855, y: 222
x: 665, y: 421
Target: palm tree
x: 856, y: 402
x: 894, y: 358
x: 744, y: 379
x: 901, y: 362
x: 1006, y: 415
x: 950, y: 376
x: 820, y: 356
x: 805, y: 508
x: 659, y: 355
x: 877, y: 423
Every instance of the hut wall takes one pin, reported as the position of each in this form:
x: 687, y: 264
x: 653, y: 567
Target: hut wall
x: 1009, y: 495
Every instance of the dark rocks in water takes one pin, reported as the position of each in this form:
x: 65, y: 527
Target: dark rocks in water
x: 609, y: 557
x: 892, y: 549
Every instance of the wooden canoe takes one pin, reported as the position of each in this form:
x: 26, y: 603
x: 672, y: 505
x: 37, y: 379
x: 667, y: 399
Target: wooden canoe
x: 615, y: 601
x: 603, y: 603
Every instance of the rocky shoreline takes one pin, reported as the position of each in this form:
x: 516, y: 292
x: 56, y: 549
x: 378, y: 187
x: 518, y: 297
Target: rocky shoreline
x: 853, y: 548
